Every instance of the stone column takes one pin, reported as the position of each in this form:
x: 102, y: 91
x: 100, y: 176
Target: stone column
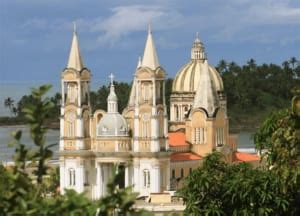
x: 136, y: 176
x: 99, y: 182
x: 79, y: 182
x: 155, y: 178
x: 62, y: 174
x: 127, y: 176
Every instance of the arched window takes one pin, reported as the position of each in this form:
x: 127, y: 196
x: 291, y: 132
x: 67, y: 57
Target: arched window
x: 72, y: 92
x: 199, y: 136
x: 70, y: 124
x: 72, y: 177
x: 220, y: 136
x: 145, y: 125
x: 146, y: 175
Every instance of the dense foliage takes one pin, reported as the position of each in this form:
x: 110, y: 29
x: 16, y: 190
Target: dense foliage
x: 25, y: 188
x: 218, y: 188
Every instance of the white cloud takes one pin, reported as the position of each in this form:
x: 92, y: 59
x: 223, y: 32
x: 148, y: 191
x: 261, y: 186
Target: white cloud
x: 128, y: 19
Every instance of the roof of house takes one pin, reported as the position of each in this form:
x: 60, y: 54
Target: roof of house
x: 185, y: 156
x: 177, y: 139
x: 244, y: 157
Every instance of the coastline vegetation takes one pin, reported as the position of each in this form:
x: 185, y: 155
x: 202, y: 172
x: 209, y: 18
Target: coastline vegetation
x: 253, y: 91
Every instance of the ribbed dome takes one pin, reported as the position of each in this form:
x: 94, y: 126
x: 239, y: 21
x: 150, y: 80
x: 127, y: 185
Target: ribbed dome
x: 112, y: 124
x: 187, y: 78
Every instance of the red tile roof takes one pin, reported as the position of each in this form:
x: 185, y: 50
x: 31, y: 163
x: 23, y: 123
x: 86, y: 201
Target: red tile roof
x: 244, y: 157
x: 177, y: 139
x: 186, y: 156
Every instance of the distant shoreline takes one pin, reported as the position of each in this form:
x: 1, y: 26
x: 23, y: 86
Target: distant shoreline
x: 49, y: 125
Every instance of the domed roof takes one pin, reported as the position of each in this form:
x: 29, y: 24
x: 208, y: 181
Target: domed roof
x: 112, y: 124
x: 187, y: 78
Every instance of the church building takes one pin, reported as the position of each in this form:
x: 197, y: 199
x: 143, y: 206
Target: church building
x: 155, y: 153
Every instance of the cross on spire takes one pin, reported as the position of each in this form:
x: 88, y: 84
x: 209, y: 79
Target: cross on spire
x: 74, y: 27
x: 111, y: 77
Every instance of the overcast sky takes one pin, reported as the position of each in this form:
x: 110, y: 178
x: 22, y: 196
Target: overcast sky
x: 35, y: 35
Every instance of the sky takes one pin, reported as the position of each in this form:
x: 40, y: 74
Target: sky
x: 35, y: 35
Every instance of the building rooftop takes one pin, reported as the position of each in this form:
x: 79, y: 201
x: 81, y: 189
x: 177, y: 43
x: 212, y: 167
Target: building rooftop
x: 177, y: 139
x: 185, y: 156
x: 244, y: 157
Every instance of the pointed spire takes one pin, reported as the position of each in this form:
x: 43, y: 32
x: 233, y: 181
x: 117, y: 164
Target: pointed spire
x: 75, y: 60
x: 139, y: 62
x: 112, y: 99
x: 206, y: 95
x: 150, y: 58
x: 198, y: 50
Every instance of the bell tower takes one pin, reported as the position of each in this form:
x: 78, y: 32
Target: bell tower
x: 150, y: 118
x: 75, y: 104
x: 147, y: 116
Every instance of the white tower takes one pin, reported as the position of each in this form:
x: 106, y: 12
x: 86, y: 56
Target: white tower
x: 74, y: 120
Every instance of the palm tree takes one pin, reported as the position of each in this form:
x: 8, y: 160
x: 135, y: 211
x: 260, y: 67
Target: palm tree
x: 9, y: 103
x: 286, y: 64
x: 252, y: 64
x: 293, y: 62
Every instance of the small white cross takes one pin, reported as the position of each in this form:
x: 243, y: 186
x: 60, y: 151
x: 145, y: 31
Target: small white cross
x: 74, y: 27
x: 111, y: 76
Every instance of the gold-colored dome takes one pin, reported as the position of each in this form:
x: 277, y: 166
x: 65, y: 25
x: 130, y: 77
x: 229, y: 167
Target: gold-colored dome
x: 187, y: 78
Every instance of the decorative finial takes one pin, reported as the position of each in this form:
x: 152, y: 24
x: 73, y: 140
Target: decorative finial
x: 111, y: 76
x: 74, y: 27
x: 149, y: 28
x: 197, y: 35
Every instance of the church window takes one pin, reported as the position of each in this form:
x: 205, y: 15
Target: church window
x: 220, y: 136
x: 177, y: 112
x: 72, y: 92
x: 173, y: 173
x: 199, y: 135
x: 182, y: 173
x: 72, y: 177
x: 146, y: 174
x: 146, y: 92
x: 86, y: 178
x: 70, y: 124
x: 145, y: 125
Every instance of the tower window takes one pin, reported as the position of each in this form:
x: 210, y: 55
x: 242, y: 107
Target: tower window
x: 146, y: 174
x: 199, y: 135
x: 220, y: 136
x: 72, y: 177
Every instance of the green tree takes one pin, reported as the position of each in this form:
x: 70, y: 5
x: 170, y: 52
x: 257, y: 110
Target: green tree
x: 9, y: 103
x: 20, y: 195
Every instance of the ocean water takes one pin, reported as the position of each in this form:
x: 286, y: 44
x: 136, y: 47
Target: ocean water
x: 245, y: 142
x: 16, y: 90
x: 6, y: 151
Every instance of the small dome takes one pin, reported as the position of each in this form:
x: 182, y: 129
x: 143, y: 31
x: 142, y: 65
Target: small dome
x: 187, y: 78
x: 112, y: 96
x: 112, y: 124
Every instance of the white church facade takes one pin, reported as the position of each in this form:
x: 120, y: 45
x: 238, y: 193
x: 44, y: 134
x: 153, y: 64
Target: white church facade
x: 155, y: 153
